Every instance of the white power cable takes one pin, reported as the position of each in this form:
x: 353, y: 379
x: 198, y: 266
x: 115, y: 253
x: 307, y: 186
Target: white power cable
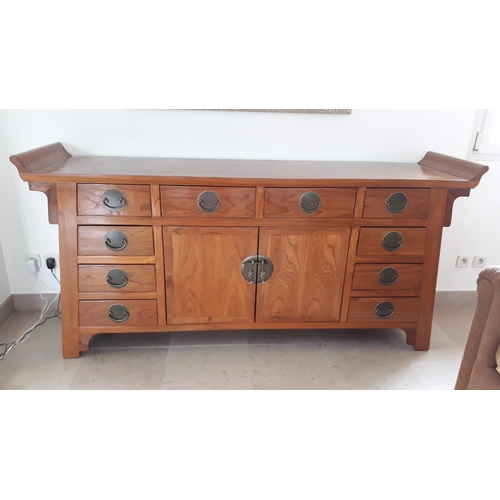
x: 7, y: 347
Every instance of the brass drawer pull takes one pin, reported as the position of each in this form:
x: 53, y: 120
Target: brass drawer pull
x: 392, y: 241
x: 384, y: 309
x: 118, y: 313
x: 209, y: 202
x: 116, y: 240
x: 388, y: 276
x: 397, y: 203
x: 114, y: 200
x: 310, y: 202
x: 117, y: 278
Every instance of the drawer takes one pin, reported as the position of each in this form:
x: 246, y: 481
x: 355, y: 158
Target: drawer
x: 115, y: 240
x: 396, y: 203
x: 391, y: 241
x: 284, y: 203
x: 112, y: 199
x: 394, y: 309
x: 117, y: 279
x: 124, y: 312
x: 385, y: 277
x: 215, y: 202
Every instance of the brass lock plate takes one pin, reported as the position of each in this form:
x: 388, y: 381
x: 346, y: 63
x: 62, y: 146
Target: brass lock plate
x: 257, y: 269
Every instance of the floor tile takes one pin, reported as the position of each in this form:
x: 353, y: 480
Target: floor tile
x: 38, y: 362
x: 121, y: 369
x: 207, y: 367
x: 291, y: 366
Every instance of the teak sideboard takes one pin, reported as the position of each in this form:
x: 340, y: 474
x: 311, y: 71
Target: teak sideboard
x: 156, y: 245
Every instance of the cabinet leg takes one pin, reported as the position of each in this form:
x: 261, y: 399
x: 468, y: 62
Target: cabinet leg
x: 85, y: 341
x: 69, y: 351
x: 70, y: 345
x: 422, y: 338
x: 411, y: 336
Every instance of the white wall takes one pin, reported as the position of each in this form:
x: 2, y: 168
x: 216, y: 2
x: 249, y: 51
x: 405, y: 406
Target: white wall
x: 366, y: 135
x: 4, y: 279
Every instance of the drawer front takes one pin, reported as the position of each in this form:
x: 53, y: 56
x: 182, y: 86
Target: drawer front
x: 284, y: 203
x: 394, y: 203
x: 117, y: 279
x: 215, y: 202
x: 112, y: 199
x: 115, y: 240
x: 386, y: 276
x: 373, y: 309
x: 117, y: 313
x: 384, y: 241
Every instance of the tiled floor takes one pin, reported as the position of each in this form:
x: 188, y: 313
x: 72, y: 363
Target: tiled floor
x: 243, y: 360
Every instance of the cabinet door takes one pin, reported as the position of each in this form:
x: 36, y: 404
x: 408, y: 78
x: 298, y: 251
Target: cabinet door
x: 308, y: 278
x: 203, y: 274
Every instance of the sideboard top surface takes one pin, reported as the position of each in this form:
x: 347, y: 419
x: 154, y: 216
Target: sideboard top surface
x: 54, y: 164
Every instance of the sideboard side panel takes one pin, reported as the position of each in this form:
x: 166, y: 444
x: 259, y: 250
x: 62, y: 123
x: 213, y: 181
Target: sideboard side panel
x: 437, y: 210
x: 66, y: 199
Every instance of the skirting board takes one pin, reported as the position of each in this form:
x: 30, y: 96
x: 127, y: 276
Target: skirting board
x: 7, y: 308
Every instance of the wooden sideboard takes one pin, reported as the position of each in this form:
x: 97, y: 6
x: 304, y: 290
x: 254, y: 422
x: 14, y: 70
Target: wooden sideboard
x: 156, y: 245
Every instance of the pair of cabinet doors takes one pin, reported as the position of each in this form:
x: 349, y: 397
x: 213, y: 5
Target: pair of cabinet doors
x: 205, y: 282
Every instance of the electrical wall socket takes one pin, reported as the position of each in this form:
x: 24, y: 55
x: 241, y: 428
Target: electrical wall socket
x: 462, y: 261
x: 48, y: 256
x: 479, y: 262
x: 35, y: 256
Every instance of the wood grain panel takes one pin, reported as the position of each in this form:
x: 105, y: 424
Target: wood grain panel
x: 431, y: 263
x: 203, y: 275
x: 182, y: 201
x: 91, y: 240
x: 283, y: 203
x: 370, y: 241
x: 376, y: 204
x: 363, y: 309
x: 95, y: 313
x: 456, y: 166
x: 86, y: 331
x: 53, y: 164
x: 39, y: 159
x: 366, y: 277
x: 90, y: 200
x: 115, y: 260
x: 66, y: 199
x: 50, y: 190
x: 309, y: 270
x: 160, y: 275
x: 387, y: 293
x: 93, y: 279
x: 351, y: 260
x: 231, y: 222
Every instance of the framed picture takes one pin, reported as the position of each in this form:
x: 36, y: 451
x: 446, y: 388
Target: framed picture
x: 313, y: 111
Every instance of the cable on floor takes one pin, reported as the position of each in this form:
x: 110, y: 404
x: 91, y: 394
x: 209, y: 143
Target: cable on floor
x: 6, y: 347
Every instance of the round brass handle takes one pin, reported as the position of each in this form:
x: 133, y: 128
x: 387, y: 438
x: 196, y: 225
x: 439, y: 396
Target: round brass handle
x: 392, y: 241
x: 384, y: 309
x: 397, y: 203
x: 116, y: 240
x: 388, y: 276
x: 310, y: 202
x: 257, y: 269
x: 118, y: 313
x: 114, y: 200
x: 117, y: 278
x: 208, y: 202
